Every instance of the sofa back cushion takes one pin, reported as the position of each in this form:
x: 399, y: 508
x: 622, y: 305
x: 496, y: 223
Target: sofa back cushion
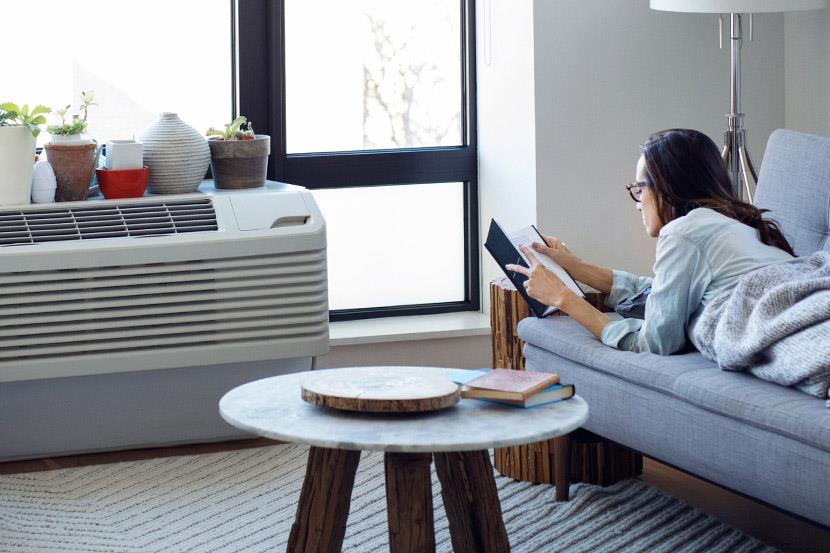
x: 794, y: 185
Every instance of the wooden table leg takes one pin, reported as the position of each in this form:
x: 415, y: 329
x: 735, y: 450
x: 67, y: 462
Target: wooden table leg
x: 409, y: 502
x: 320, y: 523
x: 562, y: 466
x: 471, y: 502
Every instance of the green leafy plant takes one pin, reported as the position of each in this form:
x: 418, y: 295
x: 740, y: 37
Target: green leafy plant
x: 239, y: 129
x: 78, y: 124
x: 13, y: 115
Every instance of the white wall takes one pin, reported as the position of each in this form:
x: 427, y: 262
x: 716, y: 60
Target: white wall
x: 610, y: 73
x: 506, y: 120
x: 807, y: 54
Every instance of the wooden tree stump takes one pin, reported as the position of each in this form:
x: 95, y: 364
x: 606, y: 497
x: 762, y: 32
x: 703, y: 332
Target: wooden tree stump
x: 380, y: 390
x: 594, y: 459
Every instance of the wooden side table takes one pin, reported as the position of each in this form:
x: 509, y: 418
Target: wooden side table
x: 593, y: 459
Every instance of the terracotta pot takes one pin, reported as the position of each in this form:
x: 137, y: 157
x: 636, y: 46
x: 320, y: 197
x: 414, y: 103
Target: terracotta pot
x: 74, y: 166
x: 240, y: 163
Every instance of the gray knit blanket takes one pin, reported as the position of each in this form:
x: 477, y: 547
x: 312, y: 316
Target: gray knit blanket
x: 774, y: 324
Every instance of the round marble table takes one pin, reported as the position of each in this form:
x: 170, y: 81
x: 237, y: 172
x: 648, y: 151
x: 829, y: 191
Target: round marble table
x: 457, y: 439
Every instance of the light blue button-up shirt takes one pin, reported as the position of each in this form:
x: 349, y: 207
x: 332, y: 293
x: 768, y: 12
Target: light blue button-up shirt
x: 699, y: 256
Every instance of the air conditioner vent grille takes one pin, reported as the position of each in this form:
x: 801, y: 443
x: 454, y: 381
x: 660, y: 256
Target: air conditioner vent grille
x: 266, y: 300
x: 32, y: 226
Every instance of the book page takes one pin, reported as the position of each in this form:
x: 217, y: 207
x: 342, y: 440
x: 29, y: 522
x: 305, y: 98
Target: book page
x: 526, y: 237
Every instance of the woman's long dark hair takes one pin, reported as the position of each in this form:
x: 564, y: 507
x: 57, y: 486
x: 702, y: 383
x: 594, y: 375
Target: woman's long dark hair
x: 685, y: 170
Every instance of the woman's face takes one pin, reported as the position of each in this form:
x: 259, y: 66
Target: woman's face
x: 648, y: 204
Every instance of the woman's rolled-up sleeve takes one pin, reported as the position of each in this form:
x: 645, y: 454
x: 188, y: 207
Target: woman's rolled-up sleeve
x: 680, y: 279
x: 625, y: 286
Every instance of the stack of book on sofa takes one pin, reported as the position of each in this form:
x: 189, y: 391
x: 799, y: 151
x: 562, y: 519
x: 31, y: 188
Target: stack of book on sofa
x: 518, y: 388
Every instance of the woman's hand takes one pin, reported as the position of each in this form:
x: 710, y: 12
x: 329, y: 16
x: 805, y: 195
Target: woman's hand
x: 547, y: 288
x: 558, y: 251
x: 542, y: 284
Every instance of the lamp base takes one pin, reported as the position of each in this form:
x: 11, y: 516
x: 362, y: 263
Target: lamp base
x: 738, y: 162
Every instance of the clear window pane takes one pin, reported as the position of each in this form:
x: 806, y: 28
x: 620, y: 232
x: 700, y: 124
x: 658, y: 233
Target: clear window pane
x: 140, y: 58
x: 394, y: 245
x: 372, y: 74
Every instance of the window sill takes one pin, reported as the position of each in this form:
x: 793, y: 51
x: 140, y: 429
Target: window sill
x: 404, y: 329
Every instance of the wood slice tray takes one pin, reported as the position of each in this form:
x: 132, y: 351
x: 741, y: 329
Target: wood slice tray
x: 380, y: 390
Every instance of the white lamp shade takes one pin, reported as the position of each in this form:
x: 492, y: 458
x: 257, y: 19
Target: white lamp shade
x: 737, y: 6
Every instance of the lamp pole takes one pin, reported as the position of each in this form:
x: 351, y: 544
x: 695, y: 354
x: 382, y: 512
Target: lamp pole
x: 734, y: 151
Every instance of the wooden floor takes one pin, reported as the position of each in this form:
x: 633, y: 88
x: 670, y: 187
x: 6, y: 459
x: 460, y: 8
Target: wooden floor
x: 768, y: 525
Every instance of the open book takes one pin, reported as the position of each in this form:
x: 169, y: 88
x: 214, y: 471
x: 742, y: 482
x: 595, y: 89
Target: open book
x: 505, y: 250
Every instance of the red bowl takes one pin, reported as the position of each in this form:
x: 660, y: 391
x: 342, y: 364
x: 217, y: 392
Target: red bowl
x: 122, y: 183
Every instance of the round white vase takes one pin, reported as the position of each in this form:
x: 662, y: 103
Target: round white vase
x: 17, y: 159
x: 177, y: 155
x: 44, y: 183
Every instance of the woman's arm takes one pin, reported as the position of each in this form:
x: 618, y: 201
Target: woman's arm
x: 595, y: 276
x: 585, y: 314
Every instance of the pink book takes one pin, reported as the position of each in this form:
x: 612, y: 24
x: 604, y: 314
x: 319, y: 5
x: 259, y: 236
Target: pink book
x: 509, y: 384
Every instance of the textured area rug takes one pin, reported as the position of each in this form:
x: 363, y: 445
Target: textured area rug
x: 245, y: 500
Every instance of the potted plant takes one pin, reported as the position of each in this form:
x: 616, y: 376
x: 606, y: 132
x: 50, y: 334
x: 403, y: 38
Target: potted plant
x: 72, y: 130
x: 18, y: 129
x: 238, y: 157
x: 72, y: 157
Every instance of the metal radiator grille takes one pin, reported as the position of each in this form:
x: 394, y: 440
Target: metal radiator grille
x: 65, y: 313
x: 33, y: 226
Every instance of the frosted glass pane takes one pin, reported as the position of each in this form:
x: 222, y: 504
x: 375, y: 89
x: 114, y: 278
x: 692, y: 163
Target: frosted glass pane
x: 140, y: 58
x: 394, y: 245
x: 370, y: 74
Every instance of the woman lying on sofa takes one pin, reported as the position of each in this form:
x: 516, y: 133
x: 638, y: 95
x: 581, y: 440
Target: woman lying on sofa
x: 707, y: 239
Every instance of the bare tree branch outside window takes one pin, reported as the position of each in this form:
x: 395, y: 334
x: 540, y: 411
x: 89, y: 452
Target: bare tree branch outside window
x: 400, y: 83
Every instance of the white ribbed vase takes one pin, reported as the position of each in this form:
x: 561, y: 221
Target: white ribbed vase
x: 177, y: 155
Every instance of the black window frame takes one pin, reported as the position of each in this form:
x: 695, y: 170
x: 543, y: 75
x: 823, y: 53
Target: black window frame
x: 259, y: 69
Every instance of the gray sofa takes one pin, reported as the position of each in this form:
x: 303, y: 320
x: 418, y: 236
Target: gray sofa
x: 766, y: 441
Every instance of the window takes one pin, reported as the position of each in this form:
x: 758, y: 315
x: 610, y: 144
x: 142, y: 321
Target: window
x: 386, y: 252
x: 388, y: 77
x: 139, y: 58
x: 371, y: 105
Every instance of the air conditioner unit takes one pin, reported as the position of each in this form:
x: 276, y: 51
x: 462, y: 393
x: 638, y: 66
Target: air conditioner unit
x: 122, y: 322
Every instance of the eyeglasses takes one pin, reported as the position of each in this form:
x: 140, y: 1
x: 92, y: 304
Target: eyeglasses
x: 635, y: 190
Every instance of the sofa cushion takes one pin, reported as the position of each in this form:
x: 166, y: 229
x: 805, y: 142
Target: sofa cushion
x: 785, y: 411
x: 565, y: 337
x: 690, y: 378
x: 794, y: 185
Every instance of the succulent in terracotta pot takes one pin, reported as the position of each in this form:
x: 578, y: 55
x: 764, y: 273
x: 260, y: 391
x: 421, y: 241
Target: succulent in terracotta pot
x: 72, y: 130
x: 72, y: 157
x: 238, y: 156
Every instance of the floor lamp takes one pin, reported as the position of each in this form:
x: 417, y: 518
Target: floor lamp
x: 735, y: 154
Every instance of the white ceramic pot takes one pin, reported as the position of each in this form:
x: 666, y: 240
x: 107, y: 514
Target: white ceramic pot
x: 177, y: 155
x: 17, y: 159
x: 124, y: 154
x: 70, y: 139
